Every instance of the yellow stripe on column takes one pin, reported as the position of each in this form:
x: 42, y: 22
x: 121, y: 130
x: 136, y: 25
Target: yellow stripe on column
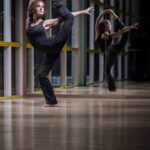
x: 29, y: 45
x: 64, y: 49
x: 2, y: 99
x: 70, y: 49
x: 10, y: 44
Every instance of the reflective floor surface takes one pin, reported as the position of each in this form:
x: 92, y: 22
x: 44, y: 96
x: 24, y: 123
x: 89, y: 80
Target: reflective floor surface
x: 124, y: 90
x: 76, y: 124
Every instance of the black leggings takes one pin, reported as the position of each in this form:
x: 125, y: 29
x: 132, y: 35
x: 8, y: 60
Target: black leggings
x: 55, y: 43
x: 43, y: 72
x: 111, y: 55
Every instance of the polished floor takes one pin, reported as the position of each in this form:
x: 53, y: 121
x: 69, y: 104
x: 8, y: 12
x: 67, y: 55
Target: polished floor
x: 79, y: 123
x: 131, y: 90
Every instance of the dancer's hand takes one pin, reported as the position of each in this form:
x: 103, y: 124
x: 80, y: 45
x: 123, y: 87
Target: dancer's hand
x: 89, y: 10
x: 124, y: 30
x: 134, y: 26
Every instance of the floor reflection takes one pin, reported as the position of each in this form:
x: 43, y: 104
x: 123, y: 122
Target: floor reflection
x: 83, y: 124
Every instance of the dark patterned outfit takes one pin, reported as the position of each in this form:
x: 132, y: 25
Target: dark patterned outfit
x: 111, y: 51
x: 52, y: 46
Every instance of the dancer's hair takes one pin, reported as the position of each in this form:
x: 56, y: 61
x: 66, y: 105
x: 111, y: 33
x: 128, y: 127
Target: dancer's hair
x: 31, y: 10
x: 102, y: 26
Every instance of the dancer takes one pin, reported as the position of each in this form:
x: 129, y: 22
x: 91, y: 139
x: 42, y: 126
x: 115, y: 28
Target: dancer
x: 104, y: 37
x: 36, y: 27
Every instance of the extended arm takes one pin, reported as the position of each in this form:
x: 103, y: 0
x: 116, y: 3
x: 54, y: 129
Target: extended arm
x: 53, y: 22
x: 57, y: 21
x: 124, y: 30
x: 87, y: 11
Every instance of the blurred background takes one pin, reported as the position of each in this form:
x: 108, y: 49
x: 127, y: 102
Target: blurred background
x: 79, y: 64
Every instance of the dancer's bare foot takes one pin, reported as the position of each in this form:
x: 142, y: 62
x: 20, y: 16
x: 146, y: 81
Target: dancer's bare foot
x: 50, y: 105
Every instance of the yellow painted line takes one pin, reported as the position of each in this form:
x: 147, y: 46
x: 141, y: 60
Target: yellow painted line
x: 37, y: 92
x: 94, y: 51
x: 13, y: 44
x: 64, y: 49
x: 3, y: 99
x: 10, y: 44
x: 70, y: 49
x: 67, y: 87
x: 18, y: 45
x: 29, y: 46
x: 57, y: 89
x: 99, y: 51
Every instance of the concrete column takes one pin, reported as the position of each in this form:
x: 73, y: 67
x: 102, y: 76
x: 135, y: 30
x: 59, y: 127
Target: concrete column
x: 7, y: 50
x: 83, y: 45
x: 75, y: 44
x: 19, y: 52
x: 91, y: 46
x: 63, y: 67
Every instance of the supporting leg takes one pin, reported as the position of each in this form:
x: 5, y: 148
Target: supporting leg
x: 46, y: 86
x: 110, y: 59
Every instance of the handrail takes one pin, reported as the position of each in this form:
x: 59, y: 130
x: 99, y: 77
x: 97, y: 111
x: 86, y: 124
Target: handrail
x: 29, y: 46
x: 10, y: 44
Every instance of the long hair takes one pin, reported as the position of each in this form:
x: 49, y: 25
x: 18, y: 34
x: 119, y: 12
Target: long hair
x: 102, y: 26
x: 31, y: 10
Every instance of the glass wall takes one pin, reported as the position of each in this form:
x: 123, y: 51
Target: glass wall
x: 13, y: 65
x: 69, y: 68
x: 88, y: 47
x: 28, y: 56
x: 65, y: 67
x: 96, y: 54
x: 13, y: 39
x: 38, y: 57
